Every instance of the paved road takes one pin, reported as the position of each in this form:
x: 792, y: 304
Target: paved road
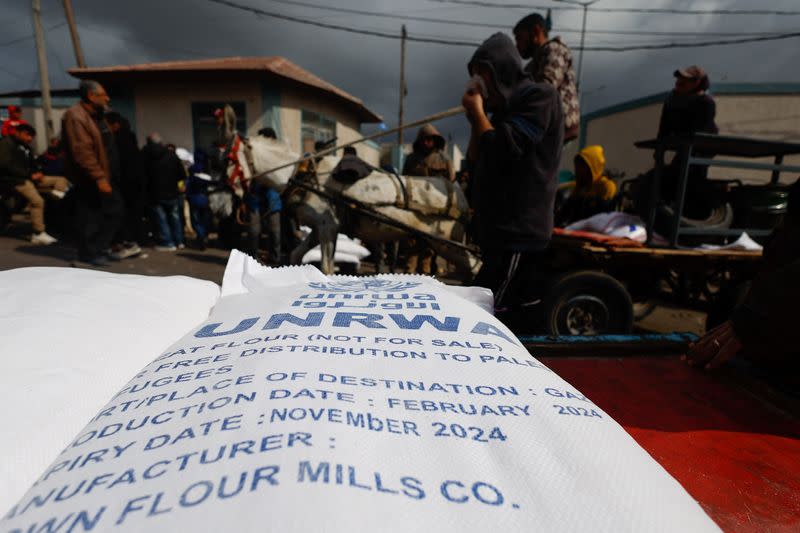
x: 17, y: 252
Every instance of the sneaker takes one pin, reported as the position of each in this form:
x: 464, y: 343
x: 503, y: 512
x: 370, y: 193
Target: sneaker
x: 181, y: 246
x: 43, y: 238
x: 125, y: 251
x: 161, y: 248
x: 58, y: 194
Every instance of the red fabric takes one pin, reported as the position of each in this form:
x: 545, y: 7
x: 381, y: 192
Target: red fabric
x: 9, y: 126
x: 598, y: 238
x: 739, y: 457
x: 237, y: 174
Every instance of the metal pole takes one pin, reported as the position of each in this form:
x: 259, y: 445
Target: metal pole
x: 430, y: 118
x: 401, y: 113
x: 41, y: 53
x: 73, y: 32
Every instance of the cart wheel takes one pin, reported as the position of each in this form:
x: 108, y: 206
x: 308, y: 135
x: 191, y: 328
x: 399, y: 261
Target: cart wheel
x: 588, y: 303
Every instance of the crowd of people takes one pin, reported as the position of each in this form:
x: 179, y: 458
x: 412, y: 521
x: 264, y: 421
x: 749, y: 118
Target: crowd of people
x: 520, y: 117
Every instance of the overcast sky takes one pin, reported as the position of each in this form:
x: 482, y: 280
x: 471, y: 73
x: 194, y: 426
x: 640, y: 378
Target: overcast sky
x: 134, y: 31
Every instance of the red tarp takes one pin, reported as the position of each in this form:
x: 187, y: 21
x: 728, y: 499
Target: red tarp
x: 738, y: 456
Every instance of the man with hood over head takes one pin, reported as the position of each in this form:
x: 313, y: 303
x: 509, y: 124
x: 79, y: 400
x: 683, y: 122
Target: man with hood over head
x: 594, y: 191
x: 514, y: 158
x: 427, y: 159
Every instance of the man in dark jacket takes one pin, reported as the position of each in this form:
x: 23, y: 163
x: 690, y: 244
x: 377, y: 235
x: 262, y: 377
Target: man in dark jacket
x: 164, y: 170
x: 688, y: 109
x: 17, y: 171
x: 514, y: 157
x: 132, y: 185
x: 350, y: 168
x: 92, y: 165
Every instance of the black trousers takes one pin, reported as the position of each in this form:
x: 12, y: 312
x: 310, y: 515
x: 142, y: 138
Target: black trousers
x: 98, y: 218
x: 508, y: 275
x: 272, y: 224
x: 133, y: 228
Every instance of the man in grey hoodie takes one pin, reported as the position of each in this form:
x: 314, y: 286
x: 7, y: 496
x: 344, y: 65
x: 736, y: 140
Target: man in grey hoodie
x: 514, y: 158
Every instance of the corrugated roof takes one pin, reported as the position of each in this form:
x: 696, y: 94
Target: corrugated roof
x: 274, y: 65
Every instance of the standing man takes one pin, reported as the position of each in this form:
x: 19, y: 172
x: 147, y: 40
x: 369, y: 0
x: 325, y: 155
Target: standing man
x: 17, y: 170
x: 427, y: 159
x: 92, y: 165
x: 164, y: 171
x: 132, y: 187
x: 514, y: 157
x: 550, y: 62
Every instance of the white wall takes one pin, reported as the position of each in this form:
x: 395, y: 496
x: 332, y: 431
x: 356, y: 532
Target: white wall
x: 293, y: 102
x: 167, y: 107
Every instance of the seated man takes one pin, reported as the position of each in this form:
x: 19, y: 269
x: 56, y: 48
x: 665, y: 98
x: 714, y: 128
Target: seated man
x: 688, y: 109
x: 351, y: 168
x: 514, y: 157
x: 17, y: 170
x: 594, y: 193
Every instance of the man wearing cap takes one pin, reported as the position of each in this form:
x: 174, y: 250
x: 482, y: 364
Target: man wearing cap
x: 550, y: 62
x: 14, y: 119
x: 687, y: 110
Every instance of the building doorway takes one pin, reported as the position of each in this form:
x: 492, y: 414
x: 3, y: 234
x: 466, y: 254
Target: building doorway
x: 204, y: 127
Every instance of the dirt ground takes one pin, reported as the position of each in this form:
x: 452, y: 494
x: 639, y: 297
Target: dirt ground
x: 17, y: 252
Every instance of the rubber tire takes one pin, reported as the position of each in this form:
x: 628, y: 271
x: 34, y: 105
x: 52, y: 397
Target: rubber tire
x: 721, y: 217
x: 590, y: 283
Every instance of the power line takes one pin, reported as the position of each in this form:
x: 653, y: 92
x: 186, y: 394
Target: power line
x: 434, y: 20
x: 374, y: 33
x: 387, y: 35
x: 663, y: 11
x: 25, y: 38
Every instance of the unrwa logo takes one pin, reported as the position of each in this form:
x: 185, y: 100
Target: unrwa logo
x: 363, y: 285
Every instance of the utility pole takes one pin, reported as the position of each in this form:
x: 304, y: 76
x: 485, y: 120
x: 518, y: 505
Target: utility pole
x: 403, y: 90
x: 73, y: 32
x: 41, y: 52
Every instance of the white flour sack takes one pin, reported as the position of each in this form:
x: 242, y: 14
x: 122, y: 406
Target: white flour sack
x: 70, y: 339
x: 308, y: 403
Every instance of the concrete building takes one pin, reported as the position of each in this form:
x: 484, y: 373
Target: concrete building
x: 178, y: 98
x: 767, y: 111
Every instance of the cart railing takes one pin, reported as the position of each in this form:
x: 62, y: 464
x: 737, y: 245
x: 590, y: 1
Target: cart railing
x: 686, y: 147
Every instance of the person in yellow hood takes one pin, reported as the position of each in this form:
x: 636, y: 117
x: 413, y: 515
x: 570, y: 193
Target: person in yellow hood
x: 594, y: 192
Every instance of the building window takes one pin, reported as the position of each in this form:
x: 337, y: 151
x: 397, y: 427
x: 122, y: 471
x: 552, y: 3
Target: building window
x: 315, y: 127
x: 204, y: 127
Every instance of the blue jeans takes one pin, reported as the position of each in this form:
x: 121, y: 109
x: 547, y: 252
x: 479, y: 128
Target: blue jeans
x: 170, y: 228
x: 201, y: 221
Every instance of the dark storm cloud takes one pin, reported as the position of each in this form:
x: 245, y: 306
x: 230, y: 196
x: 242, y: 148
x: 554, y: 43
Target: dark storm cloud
x: 127, y: 31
